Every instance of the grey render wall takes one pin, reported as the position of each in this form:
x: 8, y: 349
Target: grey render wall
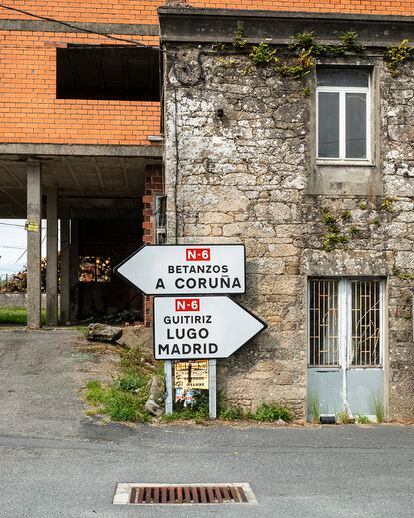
x: 250, y: 177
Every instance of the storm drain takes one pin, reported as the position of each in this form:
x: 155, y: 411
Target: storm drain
x: 147, y: 494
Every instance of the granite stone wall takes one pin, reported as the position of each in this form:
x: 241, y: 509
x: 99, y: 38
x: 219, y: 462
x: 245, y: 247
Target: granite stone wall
x: 240, y: 168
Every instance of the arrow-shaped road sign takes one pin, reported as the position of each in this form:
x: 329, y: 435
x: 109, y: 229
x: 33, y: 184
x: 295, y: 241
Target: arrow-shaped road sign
x: 186, y: 269
x: 201, y: 327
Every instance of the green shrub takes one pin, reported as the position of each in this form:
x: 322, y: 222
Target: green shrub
x: 130, y: 383
x: 272, y: 412
x: 233, y: 413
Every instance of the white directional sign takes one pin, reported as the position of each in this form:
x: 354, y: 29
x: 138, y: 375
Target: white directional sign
x: 201, y: 327
x: 186, y: 269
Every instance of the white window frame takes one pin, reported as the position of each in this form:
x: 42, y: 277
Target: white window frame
x: 342, y: 91
x: 345, y: 324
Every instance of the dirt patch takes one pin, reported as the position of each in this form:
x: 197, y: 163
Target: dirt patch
x: 102, y: 361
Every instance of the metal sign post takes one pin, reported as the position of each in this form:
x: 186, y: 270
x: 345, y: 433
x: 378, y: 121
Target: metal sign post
x: 168, y: 372
x: 212, y: 388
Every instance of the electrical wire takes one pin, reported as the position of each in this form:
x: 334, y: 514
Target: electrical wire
x: 76, y: 27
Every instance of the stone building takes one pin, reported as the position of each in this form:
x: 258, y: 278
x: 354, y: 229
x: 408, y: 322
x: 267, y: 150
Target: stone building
x: 307, y: 161
x: 293, y: 135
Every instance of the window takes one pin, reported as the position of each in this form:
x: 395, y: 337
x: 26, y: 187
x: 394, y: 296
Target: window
x: 343, y: 114
x: 160, y: 202
x: 345, y: 323
x: 106, y: 72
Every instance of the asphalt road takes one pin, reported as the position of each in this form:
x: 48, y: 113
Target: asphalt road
x: 63, y: 464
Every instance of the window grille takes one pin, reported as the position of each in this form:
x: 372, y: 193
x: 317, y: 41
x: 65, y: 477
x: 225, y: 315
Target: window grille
x: 160, y: 219
x: 323, y: 309
x: 365, y: 296
x: 345, y: 323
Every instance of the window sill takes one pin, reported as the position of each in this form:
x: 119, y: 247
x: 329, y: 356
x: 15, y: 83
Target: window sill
x: 344, y: 163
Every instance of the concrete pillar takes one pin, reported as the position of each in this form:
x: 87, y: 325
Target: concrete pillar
x: 64, y: 266
x: 52, y: 258
x: 34, y: 245
x: 74, y: 270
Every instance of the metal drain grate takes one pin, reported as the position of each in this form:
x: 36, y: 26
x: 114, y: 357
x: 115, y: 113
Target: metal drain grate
x: 147, y: 494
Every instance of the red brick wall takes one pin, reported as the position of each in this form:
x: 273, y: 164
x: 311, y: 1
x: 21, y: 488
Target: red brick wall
x: 145, y: 11
x: 104, y: 11
x: 402, y: 7
x: 30, y: 112
x: 154, y: 184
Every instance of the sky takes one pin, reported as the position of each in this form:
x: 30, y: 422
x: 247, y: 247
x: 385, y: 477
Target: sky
x: 13, y: 245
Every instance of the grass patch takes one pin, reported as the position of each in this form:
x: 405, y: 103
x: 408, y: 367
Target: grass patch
x: 118, y: 403
x: 124, y: 398
x: 16, y: 316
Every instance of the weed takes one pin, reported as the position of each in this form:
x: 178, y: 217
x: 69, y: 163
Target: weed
x: 387, y: 204
x: 346, y: 215
x: 239, y: 42
x: 363, y: 205
x: 395, y: 57
x: 198, y: 410
x: 350, y: 42
x: 314, y: 408
x: 125, y: 397
x: 376, y: 222
x: 342, y: 417
x: 95, y: 394
x: 378, y: 408
x: 333, y: 239
x: 272, y: 412
x: 403, y: 276
x: 129, y: 383
x: 362, y: 419
x: 219, y: 47
x: 233, y: 413
x: 303, y: 39
x: 263, y: 55
x: 329, y: 219
x: 303, y: 64
x: 121, y: 405
x: 307, y: 91
x: 353, y: 230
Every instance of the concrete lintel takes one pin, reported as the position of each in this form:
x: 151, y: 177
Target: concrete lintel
x: 52, y: 258
x: 150, y: 151
x: 34, y: 245
x: 137, y: 29
x: 212, y: 25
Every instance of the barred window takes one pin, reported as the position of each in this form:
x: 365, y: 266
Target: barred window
x: 323, y: 318
x: 345, y: 322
